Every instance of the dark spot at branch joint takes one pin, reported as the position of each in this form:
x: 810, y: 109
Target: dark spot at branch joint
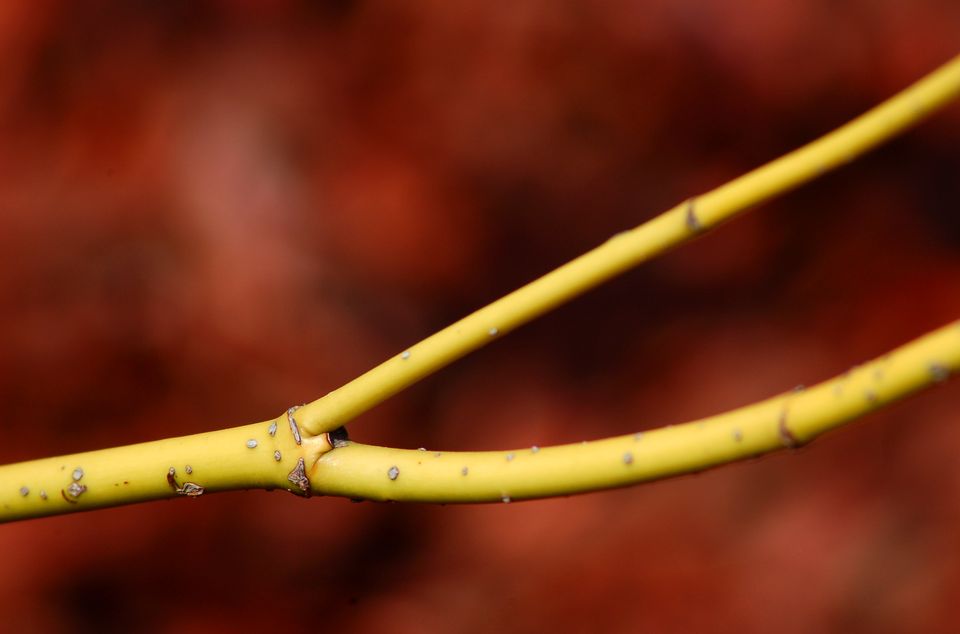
x: 787, y: 439
x: 338, y: 437
x: 299, y: 477
x: 693, y: 223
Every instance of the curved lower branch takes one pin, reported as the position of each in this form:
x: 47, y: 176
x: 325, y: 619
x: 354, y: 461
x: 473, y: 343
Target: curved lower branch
x: 784, y: 421
x: 268, y: 455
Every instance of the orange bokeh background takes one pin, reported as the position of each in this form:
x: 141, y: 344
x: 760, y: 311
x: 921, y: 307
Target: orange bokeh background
x: 211, y: 211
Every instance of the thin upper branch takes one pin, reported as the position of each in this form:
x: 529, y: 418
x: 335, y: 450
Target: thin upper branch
x: 629, y: 248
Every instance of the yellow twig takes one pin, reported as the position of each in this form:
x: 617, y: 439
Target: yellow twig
x: 303, y: 451
x: 263, y: 456
x: 788, y: 420
x: 626, y: 250
x: 267, y: 455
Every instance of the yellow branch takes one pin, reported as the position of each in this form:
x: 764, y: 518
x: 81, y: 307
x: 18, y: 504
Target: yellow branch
x: 263, y: 455
x: 303, y: 450
x: 630, y: 248
x: 267, y: 455
x: 788, y: 420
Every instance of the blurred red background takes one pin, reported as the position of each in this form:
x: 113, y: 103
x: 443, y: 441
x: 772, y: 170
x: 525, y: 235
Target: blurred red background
x: 211, y: 211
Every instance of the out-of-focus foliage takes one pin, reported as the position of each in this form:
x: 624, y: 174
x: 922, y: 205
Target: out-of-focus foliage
x: 210, y: 213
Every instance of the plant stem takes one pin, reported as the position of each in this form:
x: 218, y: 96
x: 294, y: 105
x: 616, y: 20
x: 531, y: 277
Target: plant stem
x: 629, y: 248
x: 311, y: 456
x: 785, y: 421
x: 245, y: 457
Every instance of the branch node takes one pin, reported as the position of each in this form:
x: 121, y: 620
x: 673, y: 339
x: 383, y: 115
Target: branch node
x: 787, y: 438
x: 294, y: 429
x: 693, y: 222
x: 299, y: 477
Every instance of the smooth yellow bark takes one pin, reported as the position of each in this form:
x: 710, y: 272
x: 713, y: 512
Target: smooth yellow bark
x: 310, y: 460
x: 245, y: 457
x: 784, y: 421
x: 628, y: 249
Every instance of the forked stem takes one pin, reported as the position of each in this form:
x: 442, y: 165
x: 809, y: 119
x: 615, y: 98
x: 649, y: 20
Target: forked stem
x: 303, y: 451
